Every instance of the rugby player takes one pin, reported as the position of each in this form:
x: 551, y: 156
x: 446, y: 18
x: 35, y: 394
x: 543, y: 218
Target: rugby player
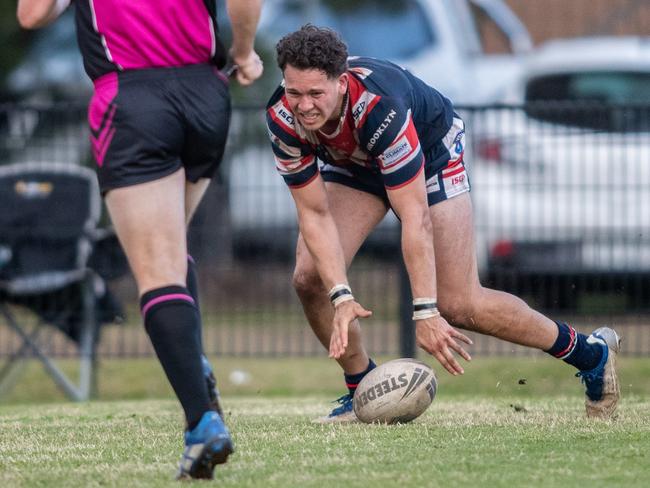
x: 355, y: 137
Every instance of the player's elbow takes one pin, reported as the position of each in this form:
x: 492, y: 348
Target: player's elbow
x: 33, y: 17
x: 28, y: 21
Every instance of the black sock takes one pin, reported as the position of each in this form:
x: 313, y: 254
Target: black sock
x: 573, y: 348
x: 172, y: 321
x: 192, y: 284
x: 192, y: 280
x: 353, y: 380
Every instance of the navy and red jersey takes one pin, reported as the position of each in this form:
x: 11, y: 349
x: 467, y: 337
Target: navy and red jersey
x: 392, y: 122
x: 117, y: 35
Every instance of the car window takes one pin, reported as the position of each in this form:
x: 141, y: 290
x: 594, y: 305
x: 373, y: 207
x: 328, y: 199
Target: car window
x: 375, y: 28
x: 599, y: 100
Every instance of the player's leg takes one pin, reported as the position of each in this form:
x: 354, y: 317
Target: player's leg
x: 465, y: 303
x: 205, y: 105
x: 138, y: 138
x: 356, y: 213
x: 149, y: 219
x: 462, y: 299
x: 193, y: 194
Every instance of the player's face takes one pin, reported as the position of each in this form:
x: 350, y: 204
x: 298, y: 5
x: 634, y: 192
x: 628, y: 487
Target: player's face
x: 314, y: 98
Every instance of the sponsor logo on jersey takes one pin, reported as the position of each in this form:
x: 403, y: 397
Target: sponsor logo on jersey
x: 357, y: 110
x: 458, y: 142
x: 362, y: 106
x: 380, y: 130
x: 285, y: 115
x: 457, y: 180
x: 456, y: 183
x: 396, y: 152
x: 433, y: 185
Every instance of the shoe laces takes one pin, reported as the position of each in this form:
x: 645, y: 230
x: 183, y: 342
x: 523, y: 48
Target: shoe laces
x: 593, y: 381
x: 596, y: 374
x: 345, y: 403
x: 587, y: 377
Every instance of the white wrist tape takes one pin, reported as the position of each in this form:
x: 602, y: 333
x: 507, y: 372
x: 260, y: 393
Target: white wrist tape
x: 341, y: 299
x: 426, y: 314
x: 340, y: 293
x: 425, y: 308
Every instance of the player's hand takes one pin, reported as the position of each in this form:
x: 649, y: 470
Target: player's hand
x: 249, y: 68
x: 344, y: 314
x: 440, y: 339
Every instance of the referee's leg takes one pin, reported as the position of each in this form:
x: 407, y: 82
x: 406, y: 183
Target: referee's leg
x: 150, y: 221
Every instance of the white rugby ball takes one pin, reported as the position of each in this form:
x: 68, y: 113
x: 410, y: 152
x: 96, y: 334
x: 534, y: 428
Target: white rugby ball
x: 395, y: 392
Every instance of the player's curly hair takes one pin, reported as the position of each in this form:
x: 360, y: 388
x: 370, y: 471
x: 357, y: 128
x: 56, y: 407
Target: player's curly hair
x: 313, y: 47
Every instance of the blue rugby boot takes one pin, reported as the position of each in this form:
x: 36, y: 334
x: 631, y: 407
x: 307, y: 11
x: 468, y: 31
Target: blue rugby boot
x: 211, y: 382
x: 207, y: 445
x: 344, y: 413
x: 603, y: 390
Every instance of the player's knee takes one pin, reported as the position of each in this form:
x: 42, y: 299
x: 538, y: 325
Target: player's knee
x: 306, y: 281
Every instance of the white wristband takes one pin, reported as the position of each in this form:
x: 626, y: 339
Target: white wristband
x: 425, y: 308
x: 426, y: 314
x: 341, y: 299
x: 340, y: 293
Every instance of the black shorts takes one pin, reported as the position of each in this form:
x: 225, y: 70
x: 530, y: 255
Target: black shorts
x: 146, y: 124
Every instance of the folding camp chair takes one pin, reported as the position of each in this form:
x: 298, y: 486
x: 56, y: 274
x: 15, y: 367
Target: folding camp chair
x: 48, y: 230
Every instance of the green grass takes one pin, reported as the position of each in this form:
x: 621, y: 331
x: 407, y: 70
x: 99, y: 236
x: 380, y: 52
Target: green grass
x: 458, y: 442
x: 497, y: 377
x: 484, y: 429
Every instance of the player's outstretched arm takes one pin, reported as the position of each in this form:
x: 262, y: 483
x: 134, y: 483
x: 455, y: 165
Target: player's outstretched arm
x: 33, y: 14
x: 433, y: 333
x: 321, y: 236
x: 244, y: 17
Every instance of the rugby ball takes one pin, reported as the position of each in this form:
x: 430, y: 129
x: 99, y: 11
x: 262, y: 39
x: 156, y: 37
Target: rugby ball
x: 395, y: 392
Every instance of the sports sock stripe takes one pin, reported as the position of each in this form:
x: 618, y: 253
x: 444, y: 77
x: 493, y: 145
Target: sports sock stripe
x: 165, y: 298
x: 572, y: 344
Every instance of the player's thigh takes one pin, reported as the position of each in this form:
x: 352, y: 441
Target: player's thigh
x: 205, y: 103
x: 149, y: 219
x: 194, y: 192
x: 455, y: 247
x: 356, y: 213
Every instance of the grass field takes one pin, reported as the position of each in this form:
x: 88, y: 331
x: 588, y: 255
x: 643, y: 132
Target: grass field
x: 488, y: 428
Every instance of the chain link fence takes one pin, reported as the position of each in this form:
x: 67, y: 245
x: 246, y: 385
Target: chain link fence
x: 561, y: 216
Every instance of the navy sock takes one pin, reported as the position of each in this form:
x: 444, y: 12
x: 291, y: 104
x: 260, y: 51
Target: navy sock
x: 353, y: 380
x: 172, y: 322
x: 573, y: 348
x: 192, y: 284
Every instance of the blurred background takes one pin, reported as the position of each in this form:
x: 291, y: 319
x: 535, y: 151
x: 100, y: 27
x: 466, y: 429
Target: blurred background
x: 556, y: 100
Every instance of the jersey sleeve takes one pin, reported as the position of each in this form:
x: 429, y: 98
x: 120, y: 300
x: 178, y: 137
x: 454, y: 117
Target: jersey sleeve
x: 294, y: 157
x: 390, y: 137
